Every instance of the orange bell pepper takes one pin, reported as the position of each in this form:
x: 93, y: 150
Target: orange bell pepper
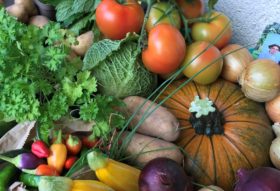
x: 58, y: 154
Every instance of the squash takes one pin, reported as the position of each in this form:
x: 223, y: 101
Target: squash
x: 236, y: 135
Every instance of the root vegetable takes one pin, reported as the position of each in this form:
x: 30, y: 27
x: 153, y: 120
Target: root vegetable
x: 84, y: 42
x: 275, y: 147
x: 272, y: 108
x: 145, y: 149
x: 28, y: 5
x: 163, y: 174
x: 211, y: 188
x: 260, y: 80
x: 39, y: 21
x: 161, y: 123
x: 18, y: 11
x: 235, y: 61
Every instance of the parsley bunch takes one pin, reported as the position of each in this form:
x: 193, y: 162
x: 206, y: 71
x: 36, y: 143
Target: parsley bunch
x: 39, y: 82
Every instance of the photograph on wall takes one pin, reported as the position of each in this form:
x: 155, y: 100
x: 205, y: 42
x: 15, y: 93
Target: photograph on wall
x: 271, y: 48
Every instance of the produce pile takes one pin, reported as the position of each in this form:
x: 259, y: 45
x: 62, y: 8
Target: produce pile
x: 129, y: 96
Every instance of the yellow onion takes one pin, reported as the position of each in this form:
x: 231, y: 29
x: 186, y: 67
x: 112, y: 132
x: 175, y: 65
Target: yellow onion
x: 211, y: 188
x: 235, y: 61
x: 260, y: 80
x: 273, y: 109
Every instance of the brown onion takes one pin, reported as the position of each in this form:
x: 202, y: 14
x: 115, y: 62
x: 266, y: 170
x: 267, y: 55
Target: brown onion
x: 235, y: 61
x: 273, y: 109
x: 260, y: 81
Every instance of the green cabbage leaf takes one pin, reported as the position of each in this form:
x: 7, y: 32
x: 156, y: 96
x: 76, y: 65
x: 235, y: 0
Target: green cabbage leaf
x: 118, y: 68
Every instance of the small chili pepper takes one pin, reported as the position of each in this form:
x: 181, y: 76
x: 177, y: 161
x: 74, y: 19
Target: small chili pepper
x: 73, y: 144
x: 24, y: 161
x: 69, y: 162
x: 58, y: 154
x: 40, y: 149
x: 90, y: 141
x: 42, y: 170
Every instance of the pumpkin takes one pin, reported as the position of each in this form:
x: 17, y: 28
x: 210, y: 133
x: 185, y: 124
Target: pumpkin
x: 236, y: 135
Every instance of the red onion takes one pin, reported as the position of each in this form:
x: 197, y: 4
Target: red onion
x: 259, y: 179
x: 164, y: 174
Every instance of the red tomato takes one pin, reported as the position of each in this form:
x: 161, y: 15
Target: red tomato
x: 220, y: 27
x: 196, y: 61
x: 115, y: 20
x: 166, y: 49
x: 158, y: 15
x: 192, y: 9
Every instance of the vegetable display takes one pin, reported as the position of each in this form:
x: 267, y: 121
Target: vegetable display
x: 231, y: 130
x: 128, y: 95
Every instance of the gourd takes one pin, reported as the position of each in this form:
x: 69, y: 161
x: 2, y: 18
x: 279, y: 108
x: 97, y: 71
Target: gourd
x: 233, y: 132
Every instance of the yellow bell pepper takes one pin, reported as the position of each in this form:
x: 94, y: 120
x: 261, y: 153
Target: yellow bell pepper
x: 117, y: 175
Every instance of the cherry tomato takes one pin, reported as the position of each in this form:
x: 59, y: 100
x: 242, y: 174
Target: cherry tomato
x: 196, y: 61
x: 166, y: 49
x: 219, y: 27
x: 192, y: 9
x: 115, y: 20
x: 160, y: 13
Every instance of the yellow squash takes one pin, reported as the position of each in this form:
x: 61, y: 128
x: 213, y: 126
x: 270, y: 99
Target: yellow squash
x: 90, y: 185
x: 117, y: 175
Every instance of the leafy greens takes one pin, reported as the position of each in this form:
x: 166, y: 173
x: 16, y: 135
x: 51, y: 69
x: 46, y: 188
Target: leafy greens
x: 38, y: 80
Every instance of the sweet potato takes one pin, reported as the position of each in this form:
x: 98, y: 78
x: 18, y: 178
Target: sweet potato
x: 161, y: 123
x: 143, y: 148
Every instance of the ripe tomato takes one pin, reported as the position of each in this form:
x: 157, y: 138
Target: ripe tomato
x: 197, y: 62
x: 192, y: 9
x: 115, y: 20
x: 220, y: 27
x: 166, y: 49
x: 158, y: 15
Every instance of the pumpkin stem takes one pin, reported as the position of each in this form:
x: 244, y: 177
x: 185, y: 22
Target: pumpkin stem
x: 205, y: 118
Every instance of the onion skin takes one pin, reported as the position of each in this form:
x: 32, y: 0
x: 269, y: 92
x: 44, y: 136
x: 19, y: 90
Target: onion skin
x: 273, y: 109
x: 235, y: 62
x: 164, y: 174
x: 260, y: 81
x: 275, y: 152
x: 211, y: 188
x: 259, y: 179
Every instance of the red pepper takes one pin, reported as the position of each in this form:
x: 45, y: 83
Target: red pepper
x: 73, y: 144
x: 43, y: 170
x: 69, y: 162
x: 40, y: 149
x: 90, y: 141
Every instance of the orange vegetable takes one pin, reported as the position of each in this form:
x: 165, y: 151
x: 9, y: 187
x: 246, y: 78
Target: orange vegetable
x: 58, y: 154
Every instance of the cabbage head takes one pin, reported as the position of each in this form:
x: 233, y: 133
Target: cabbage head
x: 118, y: 68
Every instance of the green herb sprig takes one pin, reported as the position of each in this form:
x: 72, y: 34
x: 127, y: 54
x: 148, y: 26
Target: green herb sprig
x: 38, y: 80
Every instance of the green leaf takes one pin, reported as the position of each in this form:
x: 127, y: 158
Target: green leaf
x: 99, y: 51
x: 211, y: 4
x: 83, y: 6
x: 64, y: 10
x: 81, y: 24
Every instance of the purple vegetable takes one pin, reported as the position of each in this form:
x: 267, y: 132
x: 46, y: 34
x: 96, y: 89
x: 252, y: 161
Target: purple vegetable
x: 259, y: 179
x: 24, y: 161
x: 164, y: 174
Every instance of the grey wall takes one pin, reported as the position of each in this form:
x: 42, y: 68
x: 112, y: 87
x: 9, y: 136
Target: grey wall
x: 249, y: 17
